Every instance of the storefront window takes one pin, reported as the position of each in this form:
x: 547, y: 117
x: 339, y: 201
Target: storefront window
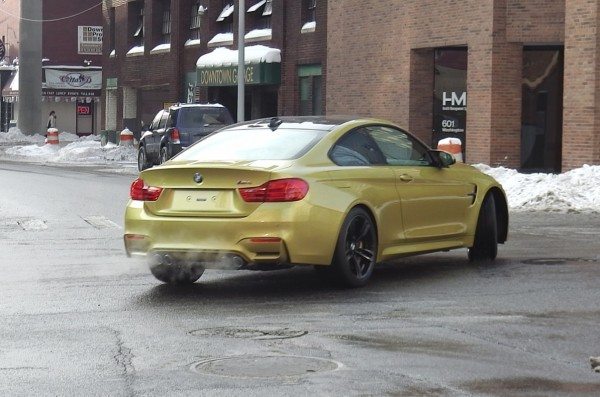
x: 310, y: 89
x: 450, y: 95
x: 541, y: 116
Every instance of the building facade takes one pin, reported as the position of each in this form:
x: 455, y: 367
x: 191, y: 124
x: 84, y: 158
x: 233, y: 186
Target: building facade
x: 71, y: 64
x: 159, y: 52
x: 518, y: 81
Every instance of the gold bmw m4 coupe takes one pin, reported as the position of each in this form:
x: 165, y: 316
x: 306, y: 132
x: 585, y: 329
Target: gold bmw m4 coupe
x: 340, y: 194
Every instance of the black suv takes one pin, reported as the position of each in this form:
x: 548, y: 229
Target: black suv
x: 178, y: 127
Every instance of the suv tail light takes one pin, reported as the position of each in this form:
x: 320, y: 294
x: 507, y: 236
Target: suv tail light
x: 279, y: 190
x: 175, y: 136
x: 140, y: 191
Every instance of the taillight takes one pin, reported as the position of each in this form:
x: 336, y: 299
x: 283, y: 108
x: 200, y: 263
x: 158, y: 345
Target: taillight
x: 140, y: 191
x: 175, y: 136
x: 280, y: 190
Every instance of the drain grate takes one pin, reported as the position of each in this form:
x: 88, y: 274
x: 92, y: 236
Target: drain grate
x: 250, y: 333
x: 265, y: 367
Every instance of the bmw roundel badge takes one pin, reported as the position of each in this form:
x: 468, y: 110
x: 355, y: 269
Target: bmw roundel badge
x: 198, y: 177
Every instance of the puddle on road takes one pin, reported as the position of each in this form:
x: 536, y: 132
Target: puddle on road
x: 558, y: 261
x: 531, y: 386
x: 267, y: 333
x: 392, y: 344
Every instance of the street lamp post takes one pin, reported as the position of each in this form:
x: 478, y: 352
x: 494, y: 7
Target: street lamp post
x: 241, y: 80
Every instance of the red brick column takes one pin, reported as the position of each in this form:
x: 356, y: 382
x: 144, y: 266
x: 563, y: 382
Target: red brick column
x: 581, y: 101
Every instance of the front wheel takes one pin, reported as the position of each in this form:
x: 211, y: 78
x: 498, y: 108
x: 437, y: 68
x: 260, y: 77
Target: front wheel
x: 485, y: 246
x: 356, y: 250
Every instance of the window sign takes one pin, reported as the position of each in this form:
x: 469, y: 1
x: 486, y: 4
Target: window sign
x: 89, y: 40
x: 450, y: 94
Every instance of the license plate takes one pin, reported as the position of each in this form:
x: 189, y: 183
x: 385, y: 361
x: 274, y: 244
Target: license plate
x: 202, y: 200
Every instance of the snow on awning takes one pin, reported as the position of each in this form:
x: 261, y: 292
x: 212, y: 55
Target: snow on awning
x: 257, y: 6
x: 227, y: 11
x: 252, y: 54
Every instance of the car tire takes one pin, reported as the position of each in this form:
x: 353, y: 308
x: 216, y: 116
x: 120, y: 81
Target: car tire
x: 485, y: 245
x: 176, y: 274
x: 164, y: 155
x: 356, y: 250
x: 142, y: 159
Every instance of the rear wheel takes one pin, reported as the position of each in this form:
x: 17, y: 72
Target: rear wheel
x: 485, y: 246
x: 142, y: 159
x: 176, y: 274
x: 164, y: 155
x: 356, y: 250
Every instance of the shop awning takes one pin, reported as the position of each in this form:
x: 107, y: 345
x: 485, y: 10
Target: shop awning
x: 219, y: 67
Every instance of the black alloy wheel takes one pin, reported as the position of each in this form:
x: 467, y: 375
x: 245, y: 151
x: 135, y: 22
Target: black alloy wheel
x: 142, y: 159
x: 356, y: 250
x: 485, y: 246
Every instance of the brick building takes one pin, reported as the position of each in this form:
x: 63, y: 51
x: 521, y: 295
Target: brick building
x: 71, y: 62
x: 529, y: 68
x: 159, y: 52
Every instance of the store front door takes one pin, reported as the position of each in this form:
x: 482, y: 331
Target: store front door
x: 542, y: 107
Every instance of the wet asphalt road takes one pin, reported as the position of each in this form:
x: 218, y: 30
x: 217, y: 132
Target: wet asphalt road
x: 79, y: 318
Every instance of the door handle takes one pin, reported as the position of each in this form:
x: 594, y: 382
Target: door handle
x: 406, y: 178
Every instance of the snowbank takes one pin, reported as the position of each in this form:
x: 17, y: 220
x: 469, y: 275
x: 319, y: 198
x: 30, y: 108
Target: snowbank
x: 86, y: 149
x: 574, y: 191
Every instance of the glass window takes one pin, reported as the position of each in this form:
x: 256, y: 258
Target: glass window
x: 155, y: 121
x: 310, y: 90
x: 195, y: 24
x: 166, y: 23
x: 254, y: 143
x: 398, y: 147
x: 311, y: 7
x: 163, y: 119
x: 138, y: 34
x: 357, y: 148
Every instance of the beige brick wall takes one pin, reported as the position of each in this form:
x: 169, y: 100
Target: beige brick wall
x: 581, y: 142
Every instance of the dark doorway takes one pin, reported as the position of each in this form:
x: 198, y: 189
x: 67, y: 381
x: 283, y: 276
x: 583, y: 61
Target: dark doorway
x: 260, y: 101
x: 541, y: 117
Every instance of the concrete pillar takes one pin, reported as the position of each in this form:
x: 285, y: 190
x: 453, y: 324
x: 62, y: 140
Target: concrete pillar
x: 30, y: 120
x: 581, y: 100
x: 110, y: 119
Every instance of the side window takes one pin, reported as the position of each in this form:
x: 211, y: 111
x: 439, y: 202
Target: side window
x: 154, y: 124
x: 163, y: 119
x: 398, y: 147
x: 172, y: 117
x: 356, y: 148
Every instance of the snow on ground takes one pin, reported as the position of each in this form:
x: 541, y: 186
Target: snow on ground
x: 577, y: 190
x: 574, y: 191
x: 72, y: 149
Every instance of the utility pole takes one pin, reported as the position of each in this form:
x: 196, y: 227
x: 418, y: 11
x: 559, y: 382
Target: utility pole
x: 30, y: 68
x: 241, y: 74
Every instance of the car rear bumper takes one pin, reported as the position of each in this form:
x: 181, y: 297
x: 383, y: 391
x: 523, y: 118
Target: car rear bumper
x: 275, y: 233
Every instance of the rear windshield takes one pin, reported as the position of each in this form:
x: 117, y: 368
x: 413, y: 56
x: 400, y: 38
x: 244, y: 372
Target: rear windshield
x: 203, y: 117
x: 253, y: 144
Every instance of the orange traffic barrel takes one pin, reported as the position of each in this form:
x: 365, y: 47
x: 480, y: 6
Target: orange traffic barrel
x: 126, y: 138
x: 52, y: 136
x: 452, y: 146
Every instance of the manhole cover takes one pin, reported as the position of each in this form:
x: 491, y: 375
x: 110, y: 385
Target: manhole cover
x: 250, y: 333
x: 253, y: 366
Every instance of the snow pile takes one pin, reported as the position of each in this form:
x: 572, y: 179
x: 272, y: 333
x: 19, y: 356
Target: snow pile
x: 79, y: 150
x: 574, y: 191
x: 15, y: 135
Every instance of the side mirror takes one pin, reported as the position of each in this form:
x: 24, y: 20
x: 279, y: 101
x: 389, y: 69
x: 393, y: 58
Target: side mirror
x: 442, y: 159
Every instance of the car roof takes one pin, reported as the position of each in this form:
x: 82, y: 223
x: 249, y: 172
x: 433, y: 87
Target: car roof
x: 326, y: 123
x: 196, y: 105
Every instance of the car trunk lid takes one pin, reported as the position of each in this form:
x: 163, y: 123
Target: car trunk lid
x: 203, y: 190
